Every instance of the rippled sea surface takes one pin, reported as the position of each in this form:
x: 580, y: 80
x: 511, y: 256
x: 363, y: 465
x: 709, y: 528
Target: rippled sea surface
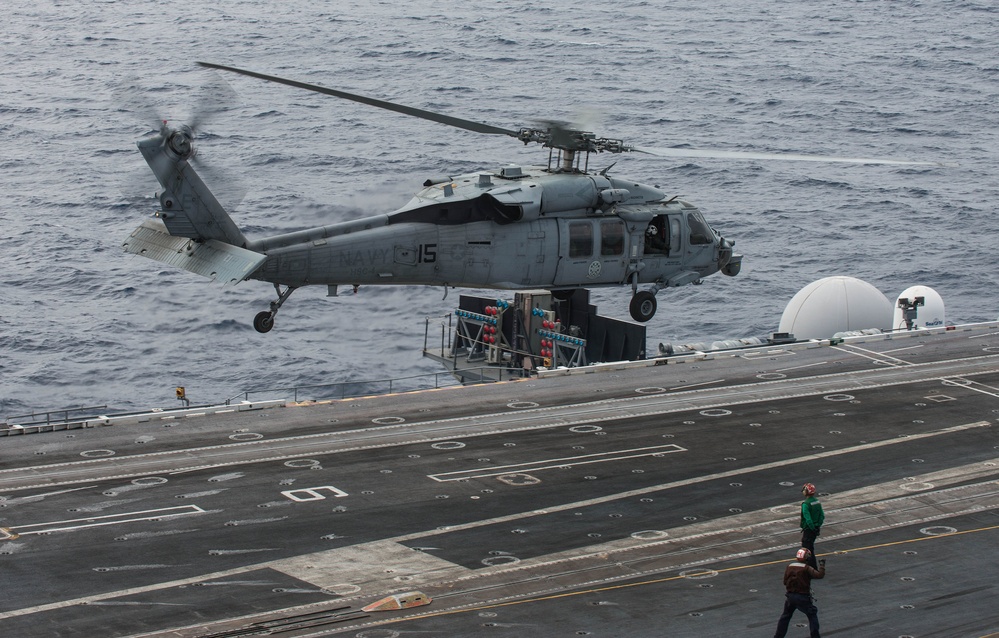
x: 81, y: 323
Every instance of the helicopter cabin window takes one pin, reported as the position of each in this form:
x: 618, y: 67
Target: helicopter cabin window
x: 699, y: 231
x: 611, y: 238
x: 580, y: 239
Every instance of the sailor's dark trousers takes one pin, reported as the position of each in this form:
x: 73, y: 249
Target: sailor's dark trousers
x: 804, y: 603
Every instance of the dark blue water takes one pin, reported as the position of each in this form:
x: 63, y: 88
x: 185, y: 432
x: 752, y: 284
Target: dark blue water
x: 81, y: 323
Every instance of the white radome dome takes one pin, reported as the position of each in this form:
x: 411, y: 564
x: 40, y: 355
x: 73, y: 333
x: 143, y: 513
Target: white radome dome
x: 835, y: 304
x: 929, y: 315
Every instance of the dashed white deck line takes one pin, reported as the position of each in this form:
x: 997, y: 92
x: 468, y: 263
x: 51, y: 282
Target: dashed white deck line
x: 101, y: 521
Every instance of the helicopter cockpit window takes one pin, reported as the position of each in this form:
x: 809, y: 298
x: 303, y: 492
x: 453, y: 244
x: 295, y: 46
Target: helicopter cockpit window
x: 699, y: 231
x: 611, y: 238
x: 655, y: 237
x: 580, y: 239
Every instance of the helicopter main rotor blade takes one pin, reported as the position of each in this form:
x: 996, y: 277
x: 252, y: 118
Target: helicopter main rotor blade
x: 468, y: 125
x: 793, y: 157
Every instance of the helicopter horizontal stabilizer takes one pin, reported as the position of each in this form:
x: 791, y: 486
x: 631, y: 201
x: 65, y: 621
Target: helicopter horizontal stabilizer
x: 210, y: 258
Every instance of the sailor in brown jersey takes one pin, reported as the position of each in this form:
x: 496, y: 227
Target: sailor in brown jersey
x: 798, y: 581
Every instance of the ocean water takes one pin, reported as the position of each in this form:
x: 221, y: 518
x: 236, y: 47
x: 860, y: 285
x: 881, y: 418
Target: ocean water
x: 82, y: 323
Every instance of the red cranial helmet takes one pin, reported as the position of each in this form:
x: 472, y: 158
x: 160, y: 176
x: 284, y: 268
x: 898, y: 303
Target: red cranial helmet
x: 803, y: 554
x: 808, y: 489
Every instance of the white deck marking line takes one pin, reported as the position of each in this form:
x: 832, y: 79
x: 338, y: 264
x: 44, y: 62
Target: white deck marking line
x: 401, y: 539
x: 969, y: 385
x: 987, y: 334
x: 46, y: 494
x: 807, y: 365
x: 696, y: 385
x: 534, y: 466
x: 749, y: 356
x: 905, y: 348
x: 874, y: 355
x: 100, y: 521
x: 86, y: 600
x: 985, y: 386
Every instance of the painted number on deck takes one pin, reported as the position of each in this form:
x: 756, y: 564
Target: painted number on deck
x: 312, y: 494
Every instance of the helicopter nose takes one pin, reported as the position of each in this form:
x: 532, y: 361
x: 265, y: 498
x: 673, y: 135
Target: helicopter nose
x: 724, y: 252
x: 729, y: 263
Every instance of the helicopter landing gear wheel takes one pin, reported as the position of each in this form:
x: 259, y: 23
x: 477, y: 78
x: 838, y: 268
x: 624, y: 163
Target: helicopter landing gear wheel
x: 643, y: 306
x: 563, y: 295
x: 263, y: 322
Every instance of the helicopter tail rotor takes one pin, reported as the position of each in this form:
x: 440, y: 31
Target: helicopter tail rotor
x: 180, y: 136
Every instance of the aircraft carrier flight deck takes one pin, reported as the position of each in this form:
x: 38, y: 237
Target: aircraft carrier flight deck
x: 639, y: 500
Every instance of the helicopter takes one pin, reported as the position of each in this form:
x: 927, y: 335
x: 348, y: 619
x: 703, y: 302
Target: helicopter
x: 558, y: 227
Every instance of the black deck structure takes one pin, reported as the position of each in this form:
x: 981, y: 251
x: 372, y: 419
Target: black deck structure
x: 651, y: 498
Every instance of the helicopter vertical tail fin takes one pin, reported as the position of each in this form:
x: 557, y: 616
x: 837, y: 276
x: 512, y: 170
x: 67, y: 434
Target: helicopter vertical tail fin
x: 193, y: 230
x: 188, y: 207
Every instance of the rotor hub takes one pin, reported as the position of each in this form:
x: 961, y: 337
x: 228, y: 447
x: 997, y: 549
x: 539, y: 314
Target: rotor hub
x: 180, y: 142
x: 572, y: 140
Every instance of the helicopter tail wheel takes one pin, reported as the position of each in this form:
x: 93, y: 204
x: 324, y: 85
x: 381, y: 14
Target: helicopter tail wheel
x: 264, y: 321
x: 643, y: 306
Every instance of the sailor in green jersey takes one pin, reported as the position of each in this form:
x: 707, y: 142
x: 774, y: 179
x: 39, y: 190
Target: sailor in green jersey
x: 812, y: 518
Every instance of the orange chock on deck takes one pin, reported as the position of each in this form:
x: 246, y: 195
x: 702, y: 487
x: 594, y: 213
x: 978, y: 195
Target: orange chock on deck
x: 400, y: 601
